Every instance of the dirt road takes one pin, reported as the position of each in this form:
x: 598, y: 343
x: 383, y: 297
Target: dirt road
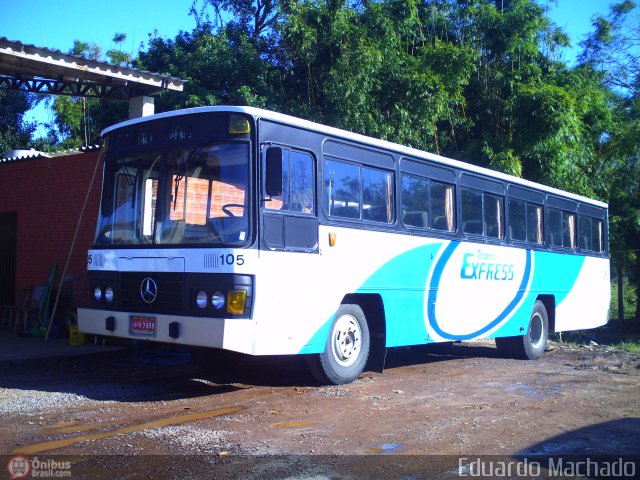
x: 154, y: 406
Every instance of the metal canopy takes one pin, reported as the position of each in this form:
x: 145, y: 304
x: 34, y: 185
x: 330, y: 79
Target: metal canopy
x: 28, y: 68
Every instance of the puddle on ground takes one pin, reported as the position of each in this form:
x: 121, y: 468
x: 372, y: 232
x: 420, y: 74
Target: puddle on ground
x: 164, y: 422
x: 531, y: 392
x: 386, y: 449
x: 76, y: 427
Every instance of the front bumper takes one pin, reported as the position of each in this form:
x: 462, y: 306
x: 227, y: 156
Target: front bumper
x: 230, y: 334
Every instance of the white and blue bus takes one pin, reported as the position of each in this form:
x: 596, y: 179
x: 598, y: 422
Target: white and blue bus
x: 235, y: 229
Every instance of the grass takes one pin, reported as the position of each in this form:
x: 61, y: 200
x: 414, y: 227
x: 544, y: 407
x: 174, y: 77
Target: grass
x: 611, y: 336
x: 631, y: 346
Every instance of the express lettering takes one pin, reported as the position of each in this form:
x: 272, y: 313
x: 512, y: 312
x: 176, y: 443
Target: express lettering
x: 484, y: 267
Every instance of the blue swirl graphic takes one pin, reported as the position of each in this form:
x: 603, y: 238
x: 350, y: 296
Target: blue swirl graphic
x: 433, y: 292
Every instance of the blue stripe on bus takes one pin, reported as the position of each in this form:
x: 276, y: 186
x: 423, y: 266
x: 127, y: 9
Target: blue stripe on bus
x: 401, y: 284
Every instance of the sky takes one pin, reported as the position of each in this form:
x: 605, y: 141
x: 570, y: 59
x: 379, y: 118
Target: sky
x: 56, y: 25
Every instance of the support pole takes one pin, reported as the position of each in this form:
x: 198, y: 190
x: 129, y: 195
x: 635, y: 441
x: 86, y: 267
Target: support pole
x: 73, y: 242
x: 620, y: 291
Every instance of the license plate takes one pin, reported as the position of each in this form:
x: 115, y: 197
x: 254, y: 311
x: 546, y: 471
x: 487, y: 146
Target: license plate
x: 142, y: 326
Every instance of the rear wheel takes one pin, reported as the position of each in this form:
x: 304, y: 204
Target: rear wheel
x: 530, y: 346
x: 347, y: 348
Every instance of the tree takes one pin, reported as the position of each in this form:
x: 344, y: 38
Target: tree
x: 79, y: 120
x: 254, y: 17
x: 116, y: 55
x: 221, y: 68
x: 612, y: 50
x: 15, y: 133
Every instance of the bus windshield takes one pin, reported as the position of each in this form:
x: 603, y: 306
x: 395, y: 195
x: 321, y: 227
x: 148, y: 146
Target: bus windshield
x: 188, y: 195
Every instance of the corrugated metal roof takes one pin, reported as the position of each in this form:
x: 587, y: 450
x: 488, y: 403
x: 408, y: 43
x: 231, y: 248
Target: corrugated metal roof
x: 36, y: 154
x: 40, y: 69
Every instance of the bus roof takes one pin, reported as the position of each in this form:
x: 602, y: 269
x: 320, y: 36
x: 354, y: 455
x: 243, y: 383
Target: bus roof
x: 355, y: 137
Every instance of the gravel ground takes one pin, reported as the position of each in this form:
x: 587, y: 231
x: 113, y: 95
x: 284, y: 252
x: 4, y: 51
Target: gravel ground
x: 178, y: 422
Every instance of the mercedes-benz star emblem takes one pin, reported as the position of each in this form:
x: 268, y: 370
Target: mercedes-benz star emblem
x: 149, y: 290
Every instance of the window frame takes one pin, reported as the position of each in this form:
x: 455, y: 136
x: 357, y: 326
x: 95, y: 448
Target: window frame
x: 390, y: 198
x: 430, y: 204
x: 527, y: 205
x: 483, y: 213
x: 290, y: 152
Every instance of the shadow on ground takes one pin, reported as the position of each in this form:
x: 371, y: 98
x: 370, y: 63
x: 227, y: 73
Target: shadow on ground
x: 616, y: 437
x: 156, y: 372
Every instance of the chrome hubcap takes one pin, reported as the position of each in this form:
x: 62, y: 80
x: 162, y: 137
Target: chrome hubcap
x: 347, y: 340
x: 536, y: 330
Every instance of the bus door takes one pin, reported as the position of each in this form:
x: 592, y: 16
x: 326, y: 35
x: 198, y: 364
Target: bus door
x: 289, y: 200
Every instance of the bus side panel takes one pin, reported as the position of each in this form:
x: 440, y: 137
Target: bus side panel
x: 298, y: 293
x: 401, y: 282
x: 432, y: 290
x: 586, y: 305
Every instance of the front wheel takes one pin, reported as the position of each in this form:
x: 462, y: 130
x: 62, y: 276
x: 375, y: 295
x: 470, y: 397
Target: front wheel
x: 530, y: 346
x: 347, y: 348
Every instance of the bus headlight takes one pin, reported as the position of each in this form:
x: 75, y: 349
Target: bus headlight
x: 108, y: 294
x: 97, y: 294
x: 201, y: 299
x: 217, y: 300
x: 236, y: 300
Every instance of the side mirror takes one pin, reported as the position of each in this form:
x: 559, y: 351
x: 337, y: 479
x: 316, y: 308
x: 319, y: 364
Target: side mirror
x: 273, y: 183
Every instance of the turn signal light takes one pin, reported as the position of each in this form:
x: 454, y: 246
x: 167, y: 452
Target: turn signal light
x: 236, y: 300
x: 332, y: 239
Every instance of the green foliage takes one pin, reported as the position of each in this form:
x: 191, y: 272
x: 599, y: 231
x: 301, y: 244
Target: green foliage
x: 477, y: 80
x: 629, y: 299
x: 78, y: 121
x: 220, y: 68
x: 15, y: 133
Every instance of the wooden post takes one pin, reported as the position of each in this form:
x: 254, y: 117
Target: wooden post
x: 620, y: 291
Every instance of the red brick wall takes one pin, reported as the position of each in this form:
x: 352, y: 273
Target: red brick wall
x: 197, y: 194
x: 47, y: 194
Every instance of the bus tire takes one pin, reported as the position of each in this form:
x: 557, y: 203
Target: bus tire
x: 530, y: 346
x: 347, y: 348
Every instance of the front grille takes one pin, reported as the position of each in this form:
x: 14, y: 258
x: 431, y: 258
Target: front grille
x: 170, y: 298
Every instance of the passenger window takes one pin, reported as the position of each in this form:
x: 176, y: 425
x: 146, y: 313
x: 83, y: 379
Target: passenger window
x: 352, y: 191
x: 597, y: 234
x: 471, y: 212
x: 342, y: 189
x: 534, y: 224
x: 584, y: 233
x: 554, y: 227
x: 561, y: 228
x: 377, y: 199
x: 590, y: 234
x: 442, y: 206
x: 427, y: 204
x: 517, y: 220
x: 569, y: 229
x: 493, y: 216
x: 525, y: 221
x: 482, y: 213
x: 415, y: 202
